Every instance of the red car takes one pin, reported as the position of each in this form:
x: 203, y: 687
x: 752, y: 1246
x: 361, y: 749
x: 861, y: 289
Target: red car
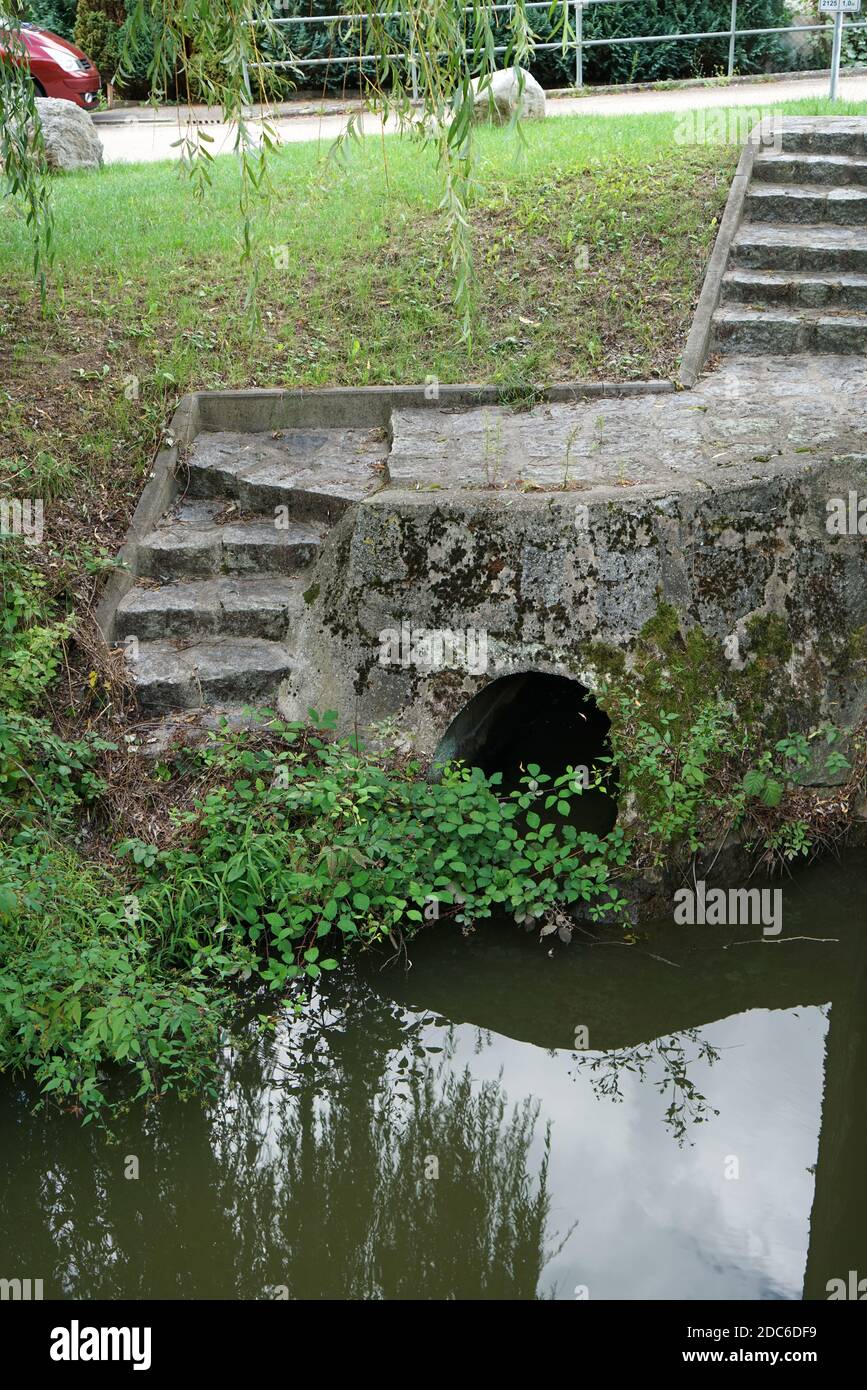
x: 58, y: 68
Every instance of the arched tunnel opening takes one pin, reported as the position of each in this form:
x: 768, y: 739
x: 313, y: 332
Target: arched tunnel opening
x: 548, y: 720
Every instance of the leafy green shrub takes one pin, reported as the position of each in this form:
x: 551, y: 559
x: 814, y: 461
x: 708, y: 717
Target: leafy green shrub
x: 79, y: 992
x: 97, y: 33
x: 43, y: 778
x: 692, y: 781
x: 304, y: 851
x: 56, y: 15
x: 659, y: 62
x: 101, y: 29
x: 31, y: 641
x: 303, y: 846
x: 553, y: 68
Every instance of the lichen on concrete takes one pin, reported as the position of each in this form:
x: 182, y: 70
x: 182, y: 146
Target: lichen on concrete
x: 711, y: 504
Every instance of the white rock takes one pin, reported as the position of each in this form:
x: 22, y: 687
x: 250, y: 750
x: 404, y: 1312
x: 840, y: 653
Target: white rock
x: 497, y: 98
x: 71, y: 141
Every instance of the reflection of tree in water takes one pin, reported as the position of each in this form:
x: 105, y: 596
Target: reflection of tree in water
x: 427, y: 1194
x: 313, y: 1172
x: 664, y: 1062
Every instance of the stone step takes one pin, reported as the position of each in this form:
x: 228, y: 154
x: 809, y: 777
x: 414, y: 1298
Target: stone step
x: 180, y: 549
x: 313, y: 473
x: 838, y: 135
x: 785, y: 202
x: 226, y: 606
x: 171, y: 675
x: 833, y: 170
x: 782, y: 246
x: 783, y: 331
x: 795, y: 288
x: 154, y: 737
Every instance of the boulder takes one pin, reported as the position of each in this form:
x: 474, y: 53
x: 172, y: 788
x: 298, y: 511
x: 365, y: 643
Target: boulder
x: 498, y: 98
x: 71, y: 141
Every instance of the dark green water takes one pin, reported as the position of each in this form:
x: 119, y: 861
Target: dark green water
x: 435, y: 1133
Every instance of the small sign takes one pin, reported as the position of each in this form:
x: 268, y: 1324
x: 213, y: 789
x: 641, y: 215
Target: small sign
x: 839, y: 6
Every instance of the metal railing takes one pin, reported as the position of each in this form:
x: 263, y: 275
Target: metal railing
x: 575, y: 40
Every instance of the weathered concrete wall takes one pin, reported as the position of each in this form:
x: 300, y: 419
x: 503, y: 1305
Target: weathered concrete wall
x: 714, y: 502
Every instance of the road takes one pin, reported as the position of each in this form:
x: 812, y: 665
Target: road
x: 135, y: 140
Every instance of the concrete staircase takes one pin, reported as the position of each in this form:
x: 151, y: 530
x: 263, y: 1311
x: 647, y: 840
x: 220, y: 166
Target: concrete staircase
x: 796, y: 280
x: 221, y: 579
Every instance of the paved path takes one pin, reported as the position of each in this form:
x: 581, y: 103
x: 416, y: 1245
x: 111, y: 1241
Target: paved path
x: 753, y: 419
x: 137, y: 141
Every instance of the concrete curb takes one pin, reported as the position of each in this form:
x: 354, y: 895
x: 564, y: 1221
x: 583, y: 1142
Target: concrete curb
x: 135, y: 114
x: 159, y: 493
x: 698, y: 343
x: 367, y: 406
x: 706, y: 83
x: 213, y: 115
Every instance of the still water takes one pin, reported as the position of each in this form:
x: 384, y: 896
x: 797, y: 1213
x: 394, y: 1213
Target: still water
x: 434, y: 1132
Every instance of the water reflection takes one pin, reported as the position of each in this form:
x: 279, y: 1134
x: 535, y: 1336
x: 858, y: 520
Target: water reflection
x: 347, y: 1160
x: 664, y: 1063
x: 437, y: 1134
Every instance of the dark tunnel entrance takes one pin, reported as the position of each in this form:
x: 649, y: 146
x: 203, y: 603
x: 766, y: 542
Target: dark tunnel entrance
x: 536, y: 718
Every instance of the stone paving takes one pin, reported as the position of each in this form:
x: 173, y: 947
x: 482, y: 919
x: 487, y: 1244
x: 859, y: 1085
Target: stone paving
x: 746, y: 420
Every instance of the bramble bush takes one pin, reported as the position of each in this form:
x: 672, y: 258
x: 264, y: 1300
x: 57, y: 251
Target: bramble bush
x: 304, y: 848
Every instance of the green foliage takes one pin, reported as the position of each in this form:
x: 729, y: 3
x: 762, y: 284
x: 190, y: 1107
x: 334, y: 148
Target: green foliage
x: 22, y: 149
x: 304, y: 846
x: 79, y: 992
x: 98, y: 33
x: 44, y: 780
x: 686, y: 58
x: 675, y: 769
x: 553, y: 67
x: 317, y: 847
x: 693, y: 779
x: 58, y: 16
x: 854, y: 50
x: 298, y: 851
x: 31, y: 642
